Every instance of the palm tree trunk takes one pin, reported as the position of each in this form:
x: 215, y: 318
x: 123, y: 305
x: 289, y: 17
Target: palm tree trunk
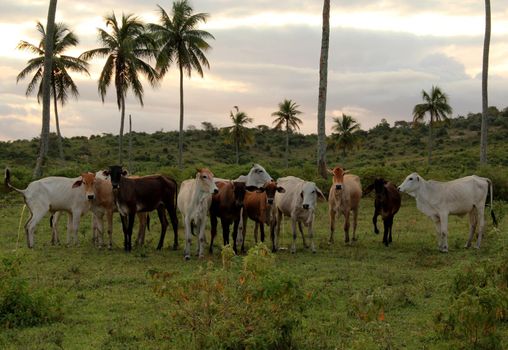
x: 430, y: 140
x: 323, y: 81
x: 287, y: 144
x: 46, y: 92
x: 130, y: 144
x: 180, y: 135
x: 485, y: 76
x: 57, y: 123
x: 122, y: 122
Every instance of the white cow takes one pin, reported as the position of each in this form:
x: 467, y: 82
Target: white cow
x: 463, y: 196
x: 297, y: 202
x: 256, y: 177
x: 194, y: 200
x: 52, y: 194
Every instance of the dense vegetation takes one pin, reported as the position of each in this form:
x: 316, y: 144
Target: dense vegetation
x: 363, y: 296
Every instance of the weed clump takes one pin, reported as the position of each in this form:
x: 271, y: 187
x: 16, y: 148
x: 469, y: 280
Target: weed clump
x: 21, y: 306
x: 248, y: 305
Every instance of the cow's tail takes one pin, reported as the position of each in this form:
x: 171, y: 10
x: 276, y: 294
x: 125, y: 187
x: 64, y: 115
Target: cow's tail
x: 7, y: 182
x: 494, y: 220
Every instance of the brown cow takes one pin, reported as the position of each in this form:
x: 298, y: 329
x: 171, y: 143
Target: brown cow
x: 258, y: 206
x: 344, y: 198
x: 226, y: 205
x: 386, y: 204
x: 144, y: 194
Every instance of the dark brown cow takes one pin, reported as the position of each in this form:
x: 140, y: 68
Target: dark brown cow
x: 386, y: 204
x: 226, y: 205
x: 258, y: 206
x: 144, y: 194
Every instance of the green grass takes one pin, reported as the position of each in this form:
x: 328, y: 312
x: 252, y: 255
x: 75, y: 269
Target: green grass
x: 108, y: 297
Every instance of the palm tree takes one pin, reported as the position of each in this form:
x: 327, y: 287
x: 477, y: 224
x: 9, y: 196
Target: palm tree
x: 238, y: 132
x: 61, y: 81
x: 345, y: 129
x: 287, y: 116
x: 46, y: 92
x: 436, y: 104
x: 124, y: 47
x: 323, y: 83
x: 182, y: 43
x: 485, y: 77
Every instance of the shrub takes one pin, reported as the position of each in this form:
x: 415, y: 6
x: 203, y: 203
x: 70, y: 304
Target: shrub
x: 238, y: 306
x: 20, y: 306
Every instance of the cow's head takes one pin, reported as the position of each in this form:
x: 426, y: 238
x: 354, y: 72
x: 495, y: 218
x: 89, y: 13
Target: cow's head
x: 309, y: 195
x: 87, y: 180
x: 115, y: 172
x: 239, y: 192
x: 379, y: 187
x: 338, y: 177
x: 205, y: 179
x: 257, y: 176
x: 411, y: 184
x: 269, y: 188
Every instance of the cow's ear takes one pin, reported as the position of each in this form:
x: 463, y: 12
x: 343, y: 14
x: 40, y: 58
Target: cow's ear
x: 345, y: 172
x: 417, y: 178
x: 281, y: 189
x: 106, y: 173
x: 125, y: 173
x: 330, y: 171
x: 319, y: 193
x: 301, y: 194
x: 77, y: 183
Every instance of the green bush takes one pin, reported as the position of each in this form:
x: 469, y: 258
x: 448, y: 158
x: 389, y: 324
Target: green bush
x: 21, y: 306
x: 246, y: 304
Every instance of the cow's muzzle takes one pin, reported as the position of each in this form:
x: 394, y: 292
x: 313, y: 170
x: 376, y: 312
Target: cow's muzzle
x: 338, y: 187
x: 115, y: 186
x: 215, y: 191
x: 270, y: 200
x: 305, y: 206
x: 91, y: 196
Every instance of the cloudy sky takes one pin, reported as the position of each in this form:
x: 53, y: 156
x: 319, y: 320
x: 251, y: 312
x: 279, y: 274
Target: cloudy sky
x: 382, y: 54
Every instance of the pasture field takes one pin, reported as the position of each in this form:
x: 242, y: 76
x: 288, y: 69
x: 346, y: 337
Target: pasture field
x: 107, y: 299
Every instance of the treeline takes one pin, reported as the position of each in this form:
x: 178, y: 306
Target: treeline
x: 389, y: 150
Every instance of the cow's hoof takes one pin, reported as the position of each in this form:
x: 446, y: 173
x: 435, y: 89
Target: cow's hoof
x: 187, y: 257
x: 467, y: 245
x: 355, y: 239
x: 376, y: 231
x: 293, y: 251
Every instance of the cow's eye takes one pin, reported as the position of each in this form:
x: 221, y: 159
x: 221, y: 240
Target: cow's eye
x: 204, y: 177
x: 410, y: 179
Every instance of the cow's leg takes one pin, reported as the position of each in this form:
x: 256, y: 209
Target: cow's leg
x: 236, y: 225
x: 473, y: 222
x: 225, y: 233
x: 374, y: 221
x: 390, y: 226
x: 69, y: 229
x: 303, y: 234
x: 213, y: 231
x: 202, y: 239
x: 437, y: 224
x: 76, y: 217
x: 109, y: 218
x: 331, y: 214
x: 164, y: 226
x: 174, y: 223
x: 481, y: 224
x: 98, y: 220
x: 385, y: 232
x: 272, y: 235
x: 346, y: 226
x: 142, y: 217
x: 262, y: 231
x: 243, y: 229
x: 293, y: 231
x: 355, y: 222
x: 275, y: 243
x: 256, y: 228
x: 188, y: 238
x: 444, y: 233
x: 54, y: 228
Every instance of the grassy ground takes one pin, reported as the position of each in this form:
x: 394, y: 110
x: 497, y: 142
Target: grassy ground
x: 108, y: 299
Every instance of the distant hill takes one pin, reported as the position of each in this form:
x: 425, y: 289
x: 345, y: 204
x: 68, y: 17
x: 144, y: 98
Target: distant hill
x: 392, y: 151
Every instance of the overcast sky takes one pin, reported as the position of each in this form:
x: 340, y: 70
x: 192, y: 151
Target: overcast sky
x: 382, y: 54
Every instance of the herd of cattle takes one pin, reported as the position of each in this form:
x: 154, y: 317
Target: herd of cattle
x: 254, y: 196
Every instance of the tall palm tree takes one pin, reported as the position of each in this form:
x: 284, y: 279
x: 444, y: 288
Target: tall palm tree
x: 181, y: 42
x: 61, y: 81
x: 323, y: 83
x: 125, y: 48
x: 436, y: 104
x: 345, y: 129
x: 485, y: 77
x: 287, y: 116
x: 46, y: 92
x: 238, y: 133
